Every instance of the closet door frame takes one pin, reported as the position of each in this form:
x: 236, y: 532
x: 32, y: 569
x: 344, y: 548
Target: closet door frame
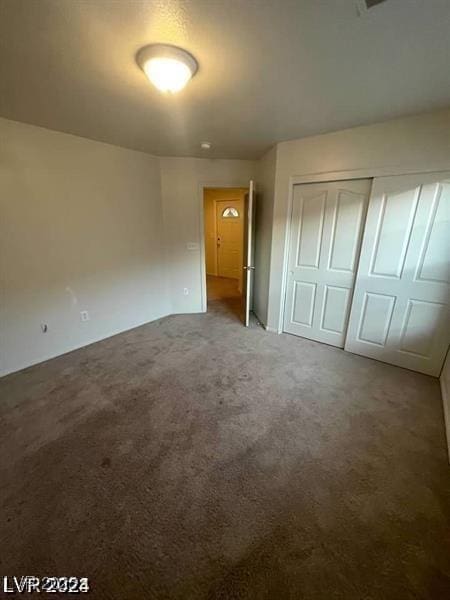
x: 323, y: 177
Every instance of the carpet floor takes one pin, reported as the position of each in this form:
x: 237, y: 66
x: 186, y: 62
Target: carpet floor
x: 192, y: 458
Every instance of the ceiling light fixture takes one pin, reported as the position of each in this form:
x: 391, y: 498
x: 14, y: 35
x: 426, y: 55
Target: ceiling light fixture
x: 169, y: 68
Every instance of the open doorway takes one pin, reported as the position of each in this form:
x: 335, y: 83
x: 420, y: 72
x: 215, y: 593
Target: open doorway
x: 224, y: 223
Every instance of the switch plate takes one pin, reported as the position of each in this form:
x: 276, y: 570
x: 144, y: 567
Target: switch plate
x: 84, y: 315
x: 186, y: 291
x: 192, y: 246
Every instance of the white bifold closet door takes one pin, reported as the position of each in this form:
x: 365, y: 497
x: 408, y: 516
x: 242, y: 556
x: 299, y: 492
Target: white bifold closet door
x: 400, y: 306
x: 325, y: 235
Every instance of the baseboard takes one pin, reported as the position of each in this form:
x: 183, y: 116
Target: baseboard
x: 78, y: 347
x: 446, y: 404
x: 263, y: 325
x: 260, y: 321
x: 271, y: 329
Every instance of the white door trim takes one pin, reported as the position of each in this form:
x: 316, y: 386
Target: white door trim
x: 322, y: 177
x: 201, y: 189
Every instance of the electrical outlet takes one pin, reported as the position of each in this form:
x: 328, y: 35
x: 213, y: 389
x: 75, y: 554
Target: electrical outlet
x: 84, y: 315
x: 186, y: 291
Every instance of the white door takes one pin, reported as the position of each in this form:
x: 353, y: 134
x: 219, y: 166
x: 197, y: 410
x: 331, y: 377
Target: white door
x: 325, y: 236
x: 249, y: 245
x: 400, y: 307
x: 229, y: 219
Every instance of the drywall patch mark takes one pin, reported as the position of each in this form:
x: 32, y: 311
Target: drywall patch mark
x: 72, y: 295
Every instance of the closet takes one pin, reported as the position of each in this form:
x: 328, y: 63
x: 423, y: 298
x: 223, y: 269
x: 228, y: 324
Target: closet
x: 368, y: 267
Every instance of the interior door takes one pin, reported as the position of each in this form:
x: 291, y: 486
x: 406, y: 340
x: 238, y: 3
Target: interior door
x: 230, y: 220
x: 249, y: 244
x: 325, y: 236
x: 400, y: 307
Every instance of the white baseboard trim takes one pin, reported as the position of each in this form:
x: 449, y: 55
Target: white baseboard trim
x: 264, y: 326
x: 272, y: 330
x: 260, y: 321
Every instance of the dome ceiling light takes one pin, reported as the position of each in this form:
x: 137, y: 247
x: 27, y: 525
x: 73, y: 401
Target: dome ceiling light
x: 167, y: 67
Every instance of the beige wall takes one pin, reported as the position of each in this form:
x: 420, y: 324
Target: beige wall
x: 80, y: 229
x: 210, y: 197
x: 265, y: 190
x: 421, y: 142
x: 90, y: 226
x: 182, y: 181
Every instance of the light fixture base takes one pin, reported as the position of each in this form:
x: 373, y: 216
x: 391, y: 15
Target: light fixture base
x: 167, y: 55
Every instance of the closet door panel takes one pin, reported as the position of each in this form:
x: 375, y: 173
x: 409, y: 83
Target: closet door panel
x: 325, y: 235
x: 399, y: 312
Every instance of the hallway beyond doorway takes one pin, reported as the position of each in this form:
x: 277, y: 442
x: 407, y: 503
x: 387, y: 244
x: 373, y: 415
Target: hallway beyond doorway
x: 224, y: 218
x: 224, y: 290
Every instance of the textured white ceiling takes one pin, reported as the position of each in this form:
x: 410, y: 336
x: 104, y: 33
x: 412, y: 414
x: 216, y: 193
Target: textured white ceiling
x: 270, y: 70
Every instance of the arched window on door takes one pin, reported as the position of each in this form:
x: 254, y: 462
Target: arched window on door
x: 230, y: 213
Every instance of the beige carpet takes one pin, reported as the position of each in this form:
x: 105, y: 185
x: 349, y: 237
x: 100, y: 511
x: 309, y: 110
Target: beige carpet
x: 193, y: 459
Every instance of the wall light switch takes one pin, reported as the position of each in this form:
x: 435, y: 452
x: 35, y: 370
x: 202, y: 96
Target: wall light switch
x: 186, y: 291
x: 192, y: 246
